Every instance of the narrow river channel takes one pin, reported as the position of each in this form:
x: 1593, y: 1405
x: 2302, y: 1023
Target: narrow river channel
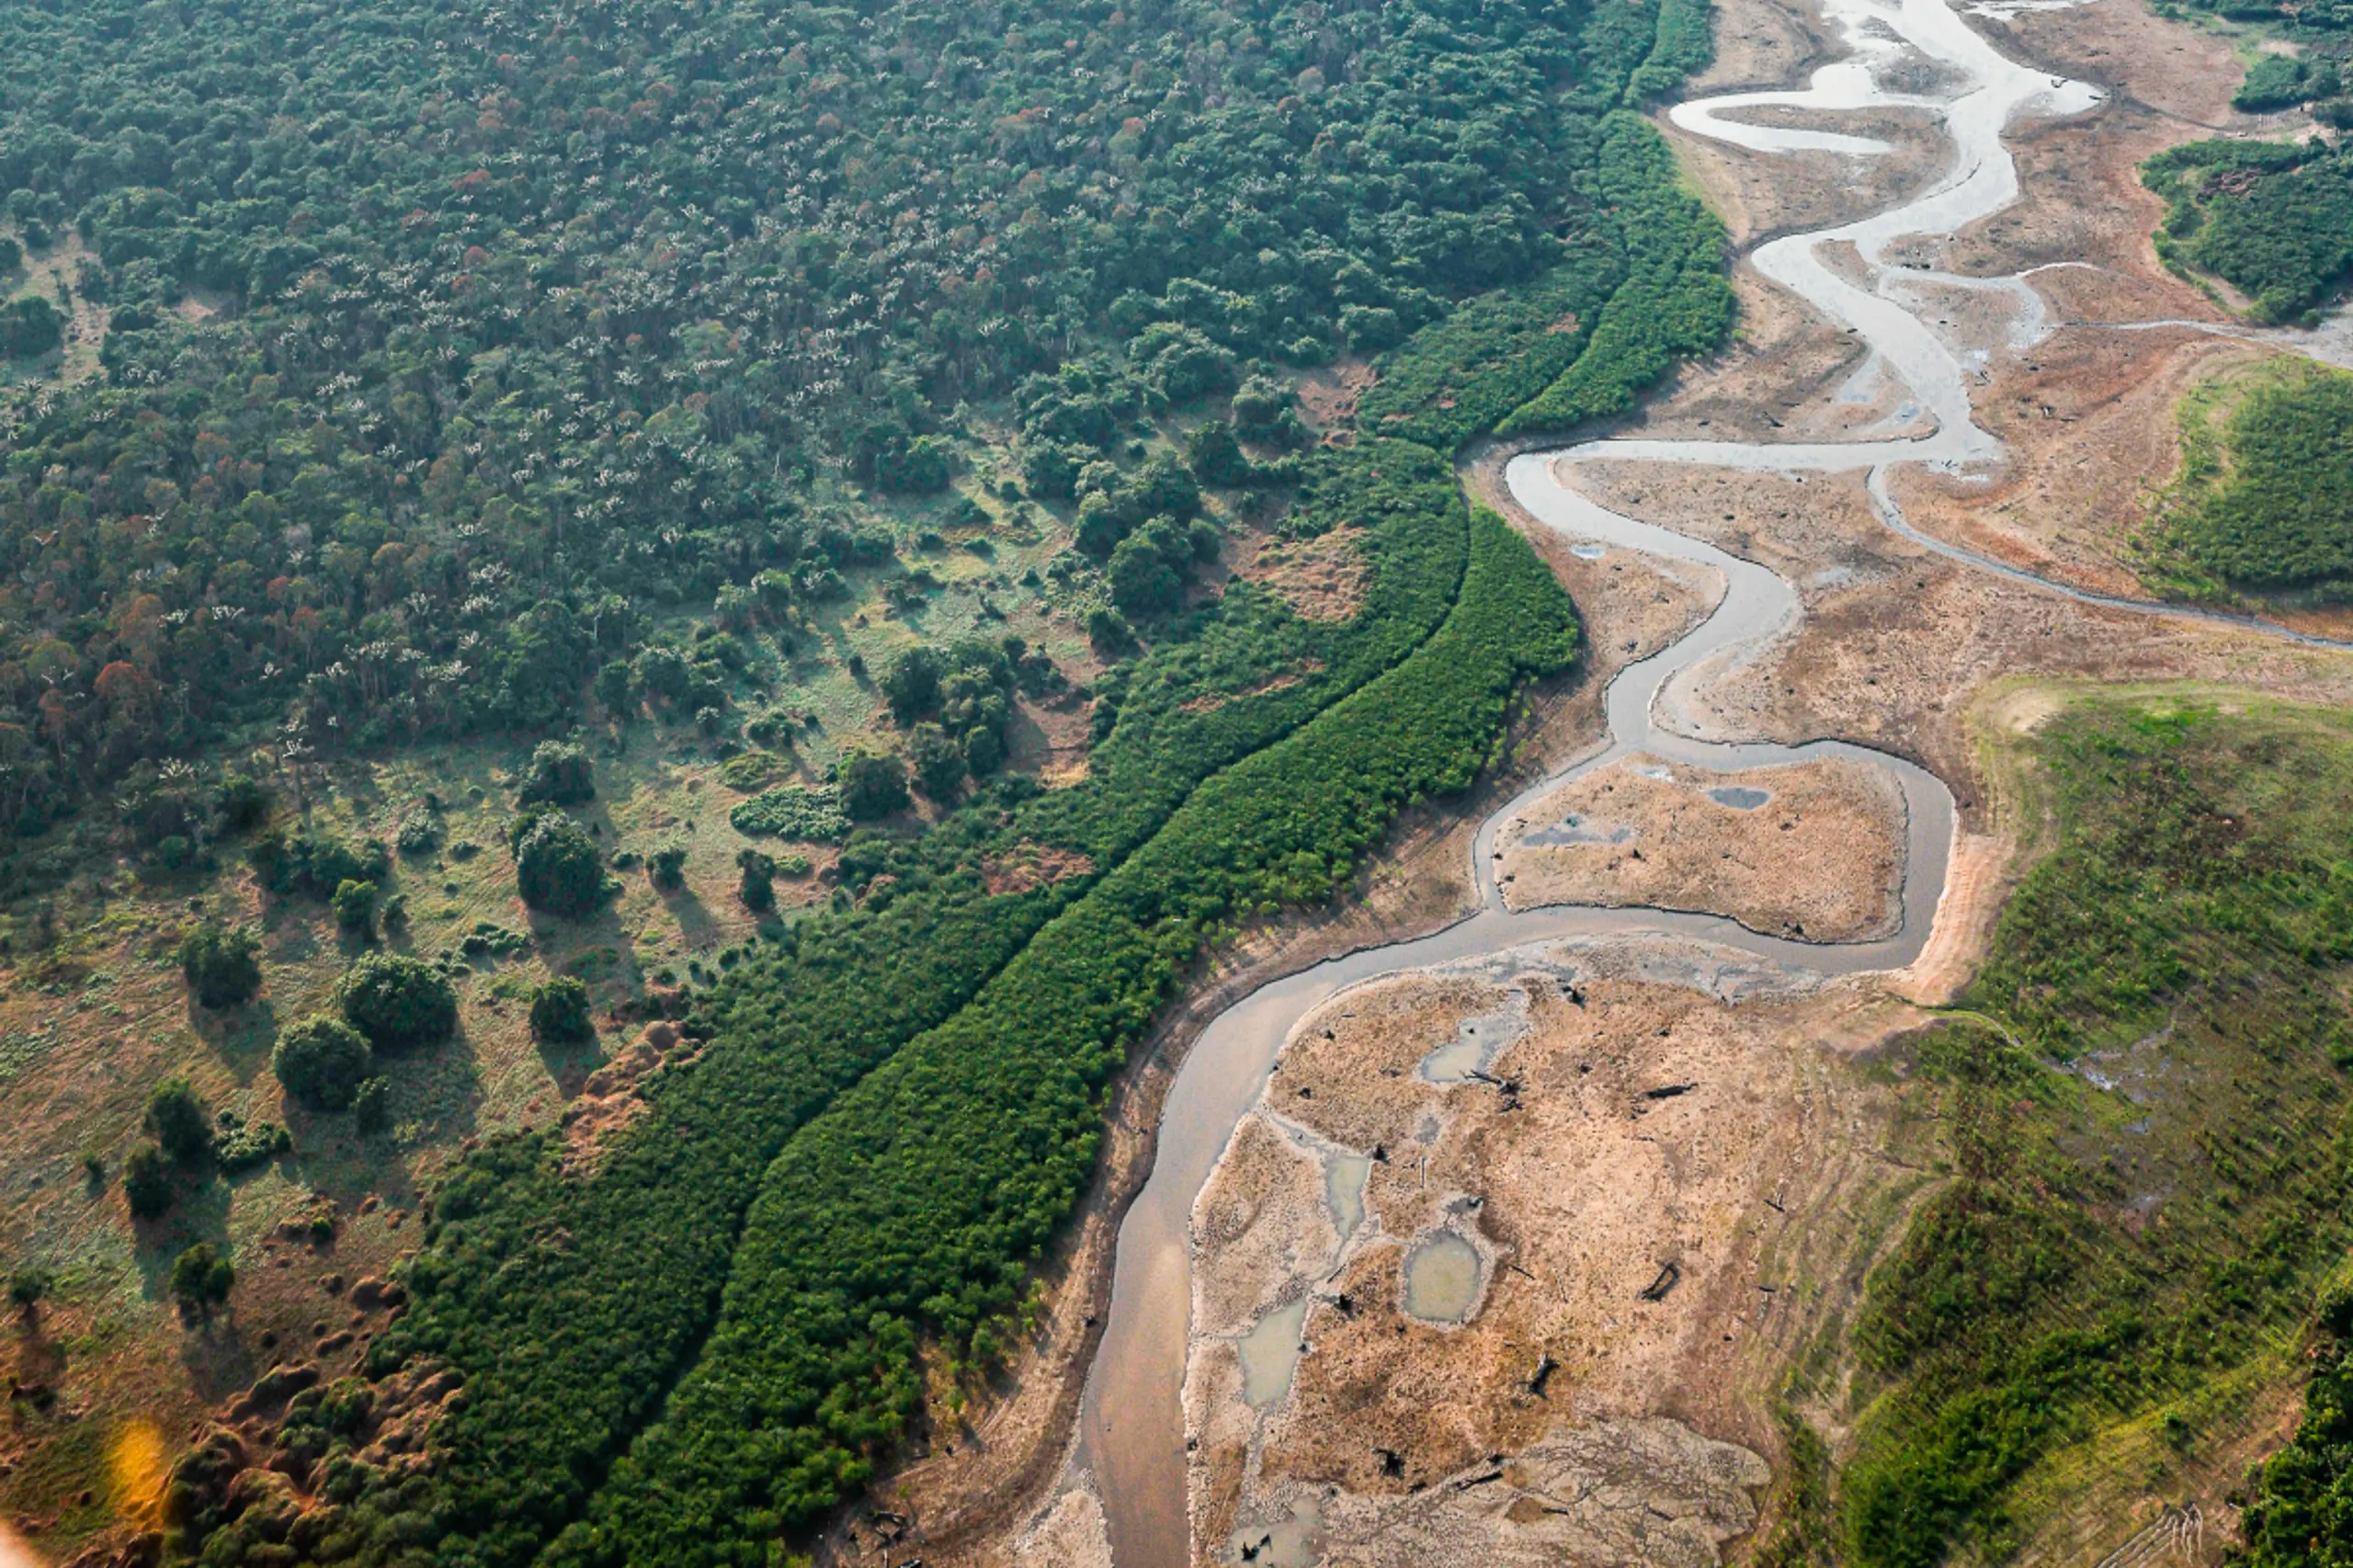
x: 1131, y: 1428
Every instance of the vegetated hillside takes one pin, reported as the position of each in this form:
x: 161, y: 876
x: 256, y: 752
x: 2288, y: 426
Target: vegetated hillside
x: 2265, y: 499
x: 2151, y: 1156
x: 2273, y: 219
x: 811, y: 238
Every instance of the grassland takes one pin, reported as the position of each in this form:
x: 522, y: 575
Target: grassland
x: 2263, y: 505
x: 2147, y: 1149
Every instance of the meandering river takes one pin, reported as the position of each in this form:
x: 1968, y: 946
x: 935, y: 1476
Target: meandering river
x: 1132, y: 1429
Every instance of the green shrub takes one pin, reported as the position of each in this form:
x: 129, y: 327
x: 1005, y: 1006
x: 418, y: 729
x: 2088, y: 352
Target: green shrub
x: 557, y: 868
x: 792, y: 811
x: 560, y: 1012
x: 243, y: 803
x: 757, y: 888
x: 222, y: 968
x: 560, y: 773
x: 149, y: 1181
x: 354, y: 904
x: 321, y: 1062
x: 180, y: 1122
x: 202, y: 1280
x: 873, y: 785
x: 397, y: 1002
x: 371, y: 1107
x: 29, y: 325
x: 667, y: 868
x: 243, y: 1145
x: 316, y: 863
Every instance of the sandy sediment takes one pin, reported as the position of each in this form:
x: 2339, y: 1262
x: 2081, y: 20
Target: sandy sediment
x: 1813, y: 850
x: 1068, y: 1533
x: 1649, y: 1126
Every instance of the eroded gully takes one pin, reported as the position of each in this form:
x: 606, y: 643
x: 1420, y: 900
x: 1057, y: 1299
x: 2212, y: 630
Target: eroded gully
x: 1131, y: 1424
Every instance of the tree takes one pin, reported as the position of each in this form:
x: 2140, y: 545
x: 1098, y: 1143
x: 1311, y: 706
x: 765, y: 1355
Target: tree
x: 560, y: 773
x: 560, y: 1013
x: 202, y: 1280
x: 939, y: 763
x: 1146, y: 573
x: 757, y: 887
x: 667, y: 869
x: 1216, y: 457
x: 371, y: 1108
x: 27, y: 1287
x: 663, y: 674
x: 149, y: 1183
x: 398, y: 1002
x: 557, y: 868
x: 322, y: 1062
x: 29, y: 325
x: 355, y: 907
x: 612, y: 688
x: 873, y: 785
x: 911, y: 687
x: 222, y: 968
x: 180, y: 1122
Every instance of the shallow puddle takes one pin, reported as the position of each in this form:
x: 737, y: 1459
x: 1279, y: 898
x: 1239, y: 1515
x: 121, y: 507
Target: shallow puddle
x: 1286, y: 1543
x: 1739, y: 797
x: 1575, y: 829
x: 1472, y: 1049
x: 1270, y: 1355
x: 1441, y: 1278
x: 1344, y: 1179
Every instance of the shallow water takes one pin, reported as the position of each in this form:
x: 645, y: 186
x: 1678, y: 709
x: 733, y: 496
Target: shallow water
x: 1474, y: 1048
x: 1441, y: 1277
x: 1739, y: 797
x: 1577, y: 830
x: 1270, y: 1355
x: 1344, y: 1179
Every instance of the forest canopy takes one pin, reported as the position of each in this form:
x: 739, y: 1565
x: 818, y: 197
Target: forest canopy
x: 444, y: 341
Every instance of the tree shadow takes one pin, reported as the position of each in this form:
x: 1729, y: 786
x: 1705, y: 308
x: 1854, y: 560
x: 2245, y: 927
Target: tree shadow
x: 241, y: 1037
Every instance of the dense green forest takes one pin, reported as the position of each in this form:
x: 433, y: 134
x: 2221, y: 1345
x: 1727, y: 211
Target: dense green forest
x: 2151, y: 1159
x: 444, y: 343
x: 449, y: 348
x: 2301, y: 1513
x: 2264, y: 502
x: 2274, y: 220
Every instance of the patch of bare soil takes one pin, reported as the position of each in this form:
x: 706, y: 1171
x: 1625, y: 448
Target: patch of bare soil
x: 1030, y: 865
x: 1214, y: 701
x: 1813, y: 850
x: 1323, y: 578
x: 609, y: 1101
x: 1758, y: 44
x: 1327, y: 395
x: 1641, y: 1173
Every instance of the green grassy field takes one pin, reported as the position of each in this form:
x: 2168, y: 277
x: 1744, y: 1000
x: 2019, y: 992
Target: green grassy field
x: 2150, y: 1157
